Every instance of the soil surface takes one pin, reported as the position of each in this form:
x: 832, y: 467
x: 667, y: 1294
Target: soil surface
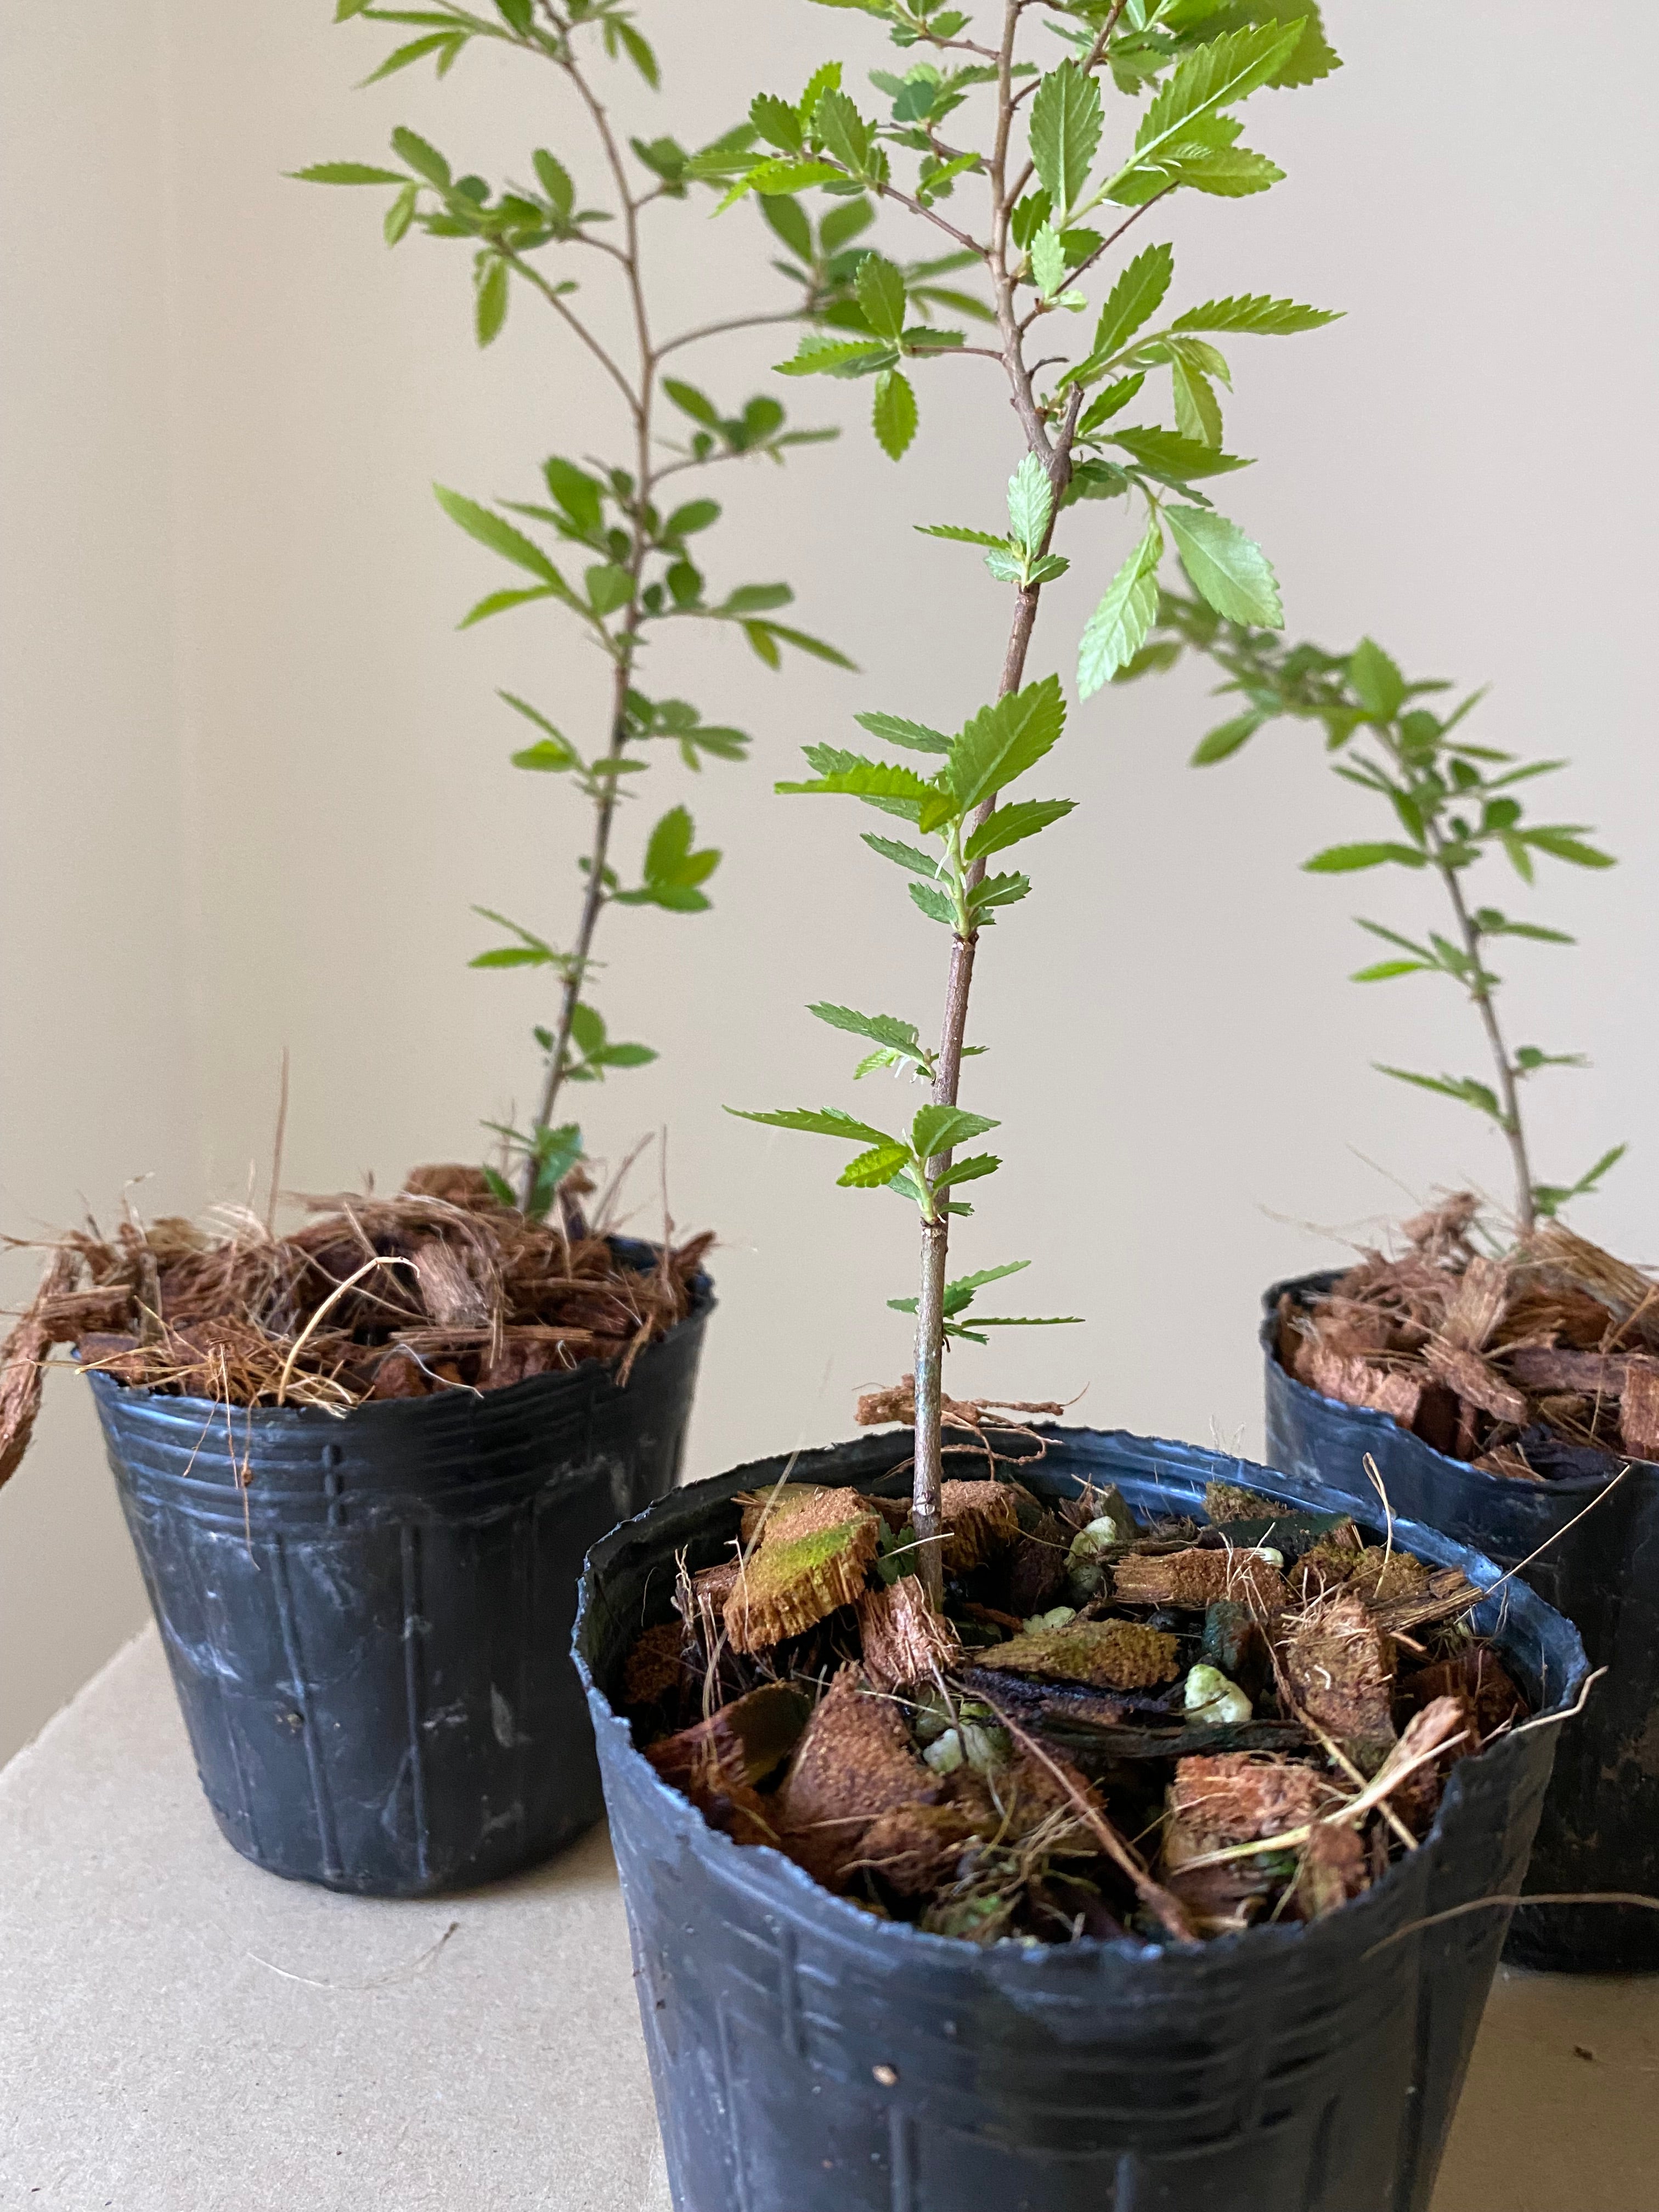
x: 1538, y: 1363
x: 1203, y: 1723
x: 439, y: 1288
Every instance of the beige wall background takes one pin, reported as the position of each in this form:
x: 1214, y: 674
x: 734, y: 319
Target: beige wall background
x: 253, y: 778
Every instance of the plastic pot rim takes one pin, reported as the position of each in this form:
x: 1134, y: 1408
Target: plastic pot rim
x: 1321, y: 1278
x: 762, y: 1863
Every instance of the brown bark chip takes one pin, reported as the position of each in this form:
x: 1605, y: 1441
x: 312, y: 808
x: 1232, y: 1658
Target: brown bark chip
x: 981, y: 1520
x: 655, y: 1664
x: 22, y: 1362
x: 1476, y: 1380
x: 854, y: 1763
x: 1107, y: 1655
x: 1036, y: 1567
x: 1335, y: 1866
x: 1357, y: 1382
x: 1229, y: 1501
x: 1639, y: 1411
x: 1340, y: 1669
x: 765, y: 1510
x: 915, y: 1847
x: 903, y: 1640
x: 1230, y: 1798
x: 1195, y: 1579
x: 816, y: 1560
x: 1417, y: 1799
x: 1236, y: 1797
x: 1476, y: 1675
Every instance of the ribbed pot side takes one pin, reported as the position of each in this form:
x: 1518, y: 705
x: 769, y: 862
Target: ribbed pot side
x: 368, y: 1618
x: 809, y: 2057
x: 1599, y: 1829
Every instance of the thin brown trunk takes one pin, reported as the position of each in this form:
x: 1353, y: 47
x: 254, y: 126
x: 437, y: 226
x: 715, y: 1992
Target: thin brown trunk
x: 1508, y: 1091
x: 929, y: 1467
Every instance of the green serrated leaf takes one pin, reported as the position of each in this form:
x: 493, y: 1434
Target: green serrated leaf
x: 1010, y: 825
x: 1256, y: 314
x: 899, y: 732
x: 941, y: 1129
x: 1227, y: 569
x: 1375, y: 681
x: 893, y: 414
x: 934, y: 904
x: 1223, y: 742
x: 1210, y: 78
x: 426, y: 160
x: 1064, y: 133
x: 1118, y: 627
x: 880, y: 289
x: 818, y: 1122
x: 1346, y: 860
x: 1135, y: 298
x: 1030, y: 503
x: 490, y: 529
x: 1003, y: 741
x: 347, y: 173
x: 490, y: 299
x: 901, y: 856
x: 874, y: 1170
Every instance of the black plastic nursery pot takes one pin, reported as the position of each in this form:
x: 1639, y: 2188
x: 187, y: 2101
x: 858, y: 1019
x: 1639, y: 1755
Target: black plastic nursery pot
x: 809, y: 2058
x: 1599, y: 1829
x: 368, y: 1616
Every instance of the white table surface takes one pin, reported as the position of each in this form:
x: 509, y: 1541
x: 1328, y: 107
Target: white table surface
x: 179, y: 2033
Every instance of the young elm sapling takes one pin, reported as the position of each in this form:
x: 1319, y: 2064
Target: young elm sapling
x: 525, y: 236
x: 1455, y: 804
x: 1042, y: 165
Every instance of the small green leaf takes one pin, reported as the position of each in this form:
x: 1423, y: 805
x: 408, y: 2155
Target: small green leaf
x: 778, y: 122
x: 1227, y: 569
x: 1135, y: 297
x: 893, y: 417
x: 401, y: 213
x: 940, y: 1129
x: 898, y: 731
x: 1117, y: 628
x: 885, y: 1030
x: 875, y: 1168
x: 881, y: 294
x: 1226, y: 739
x: 1048, y: 258
x: 1008, y: 825
x: 821, y: 1122
x: 609, y: 586
x: 347, y: 173
x: 1345, y: 860
x: 637, y: 49
x: 1383, y: 971
x: 1030, y: 502
x: 1064, y: 133
x: 902, y: 856
x: 1562, y: 843
x: 499, y: 536
x: 426, y: 160
x: 1002, y: 741
x: 1256, y: 314
x: 489, y: 306
x: 1173, y: 460
x: 934, y: 903
x: 1375, y: 681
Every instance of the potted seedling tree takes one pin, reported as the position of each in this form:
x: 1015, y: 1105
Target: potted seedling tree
x: 362, y: 1461
x: 928, y: 1794
x: 1499, y: 1370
